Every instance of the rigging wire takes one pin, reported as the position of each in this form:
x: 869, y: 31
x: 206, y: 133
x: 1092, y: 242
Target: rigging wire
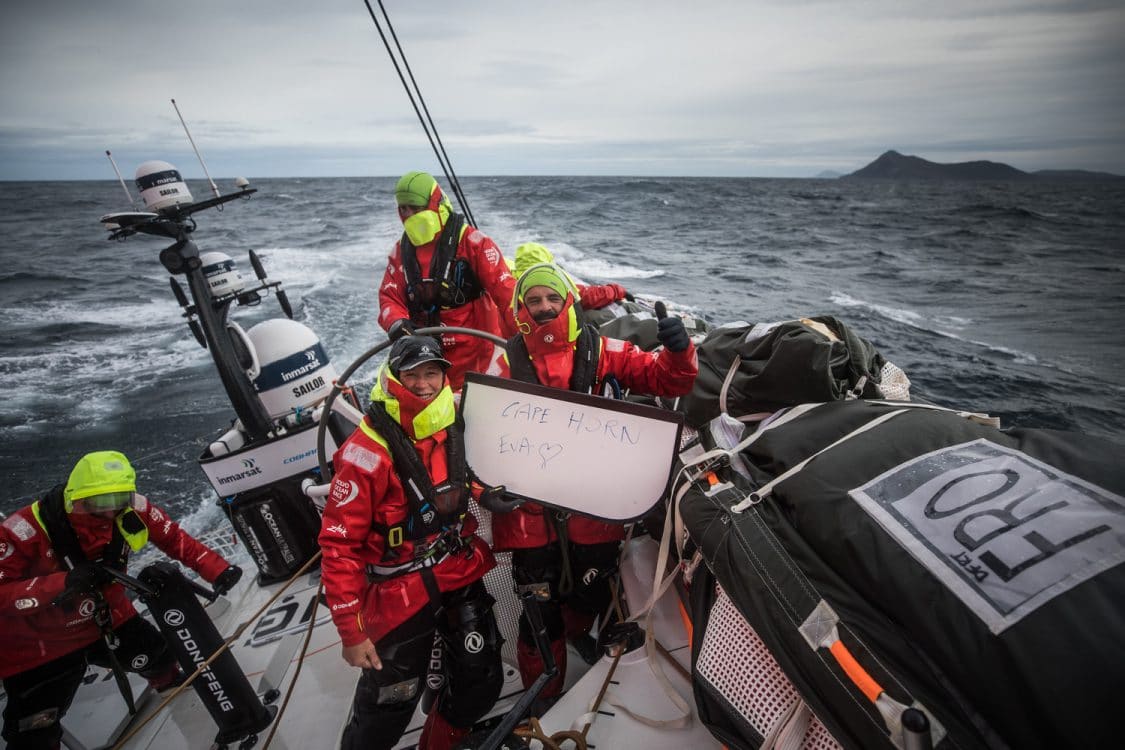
x: 137, y: 462
x: 412, y: 91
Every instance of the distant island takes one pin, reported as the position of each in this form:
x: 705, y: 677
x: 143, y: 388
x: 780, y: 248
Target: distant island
x: 894, y: 166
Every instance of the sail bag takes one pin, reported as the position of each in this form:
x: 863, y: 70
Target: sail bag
x: 893, y: 556
x: 749, y: 371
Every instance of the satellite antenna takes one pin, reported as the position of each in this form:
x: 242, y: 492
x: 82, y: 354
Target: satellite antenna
x: 132, y: 202
x: 214, y: 187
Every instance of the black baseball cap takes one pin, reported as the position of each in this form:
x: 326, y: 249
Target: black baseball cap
x: 410, y: 351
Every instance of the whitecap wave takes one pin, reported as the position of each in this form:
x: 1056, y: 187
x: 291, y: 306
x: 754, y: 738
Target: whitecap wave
x: 151, y: 313
x: 601, y: 269
x: 936, y: 325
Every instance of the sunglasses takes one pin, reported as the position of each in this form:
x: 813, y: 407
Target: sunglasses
x: 107, y: 501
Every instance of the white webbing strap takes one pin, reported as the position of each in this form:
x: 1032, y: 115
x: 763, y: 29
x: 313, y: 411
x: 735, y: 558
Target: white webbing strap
x: 756, y: 416
x: 764, y: 491
x: 973, y: 416
x: 726, y: 383
x: 660, y: 582
x: 583, y: 720
x: 789, y: 730
x: 792, y: 735
x: 673, y: 518
x: 660, y: 585
x: 856, y: 392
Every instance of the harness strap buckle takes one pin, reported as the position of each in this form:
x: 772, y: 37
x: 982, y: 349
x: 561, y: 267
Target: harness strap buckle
x: 540, y: 591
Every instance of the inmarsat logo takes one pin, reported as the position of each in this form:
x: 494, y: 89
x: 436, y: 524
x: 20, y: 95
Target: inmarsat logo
x: 86, y: 608
x: 250, y: 470
x: 590, y: 576
x: 174, y: 617
x: 312, y: 364
x: 139, y: 662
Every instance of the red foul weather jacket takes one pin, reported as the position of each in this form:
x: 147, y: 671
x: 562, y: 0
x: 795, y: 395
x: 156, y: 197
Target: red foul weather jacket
x: 662, y: 373
x: 490, y: 312
x: 365, y: 500
x: 35, y: 631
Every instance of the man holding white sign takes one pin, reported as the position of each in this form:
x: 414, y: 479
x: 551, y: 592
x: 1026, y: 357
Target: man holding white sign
x: 574, y: 556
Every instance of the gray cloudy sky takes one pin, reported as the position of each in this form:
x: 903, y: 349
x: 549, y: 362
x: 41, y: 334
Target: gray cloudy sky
x: 620, y: 87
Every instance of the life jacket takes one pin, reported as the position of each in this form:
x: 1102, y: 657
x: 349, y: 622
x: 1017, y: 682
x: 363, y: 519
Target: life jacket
x: 434, y: 510
x: 583, y: 376
x: 451, y: 281
x: 52, y: 517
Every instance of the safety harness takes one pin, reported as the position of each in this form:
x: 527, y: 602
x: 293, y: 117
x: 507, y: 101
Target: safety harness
x: 434, y: 510
x: 51, y: 514
x: 450, y: 283
x: 587, y: 351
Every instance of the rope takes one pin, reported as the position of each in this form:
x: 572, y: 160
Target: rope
x: 426, y: 121
x: 140, y: 460
x: 534, y: 731
x: 218, y: 652
x: 137, y: 462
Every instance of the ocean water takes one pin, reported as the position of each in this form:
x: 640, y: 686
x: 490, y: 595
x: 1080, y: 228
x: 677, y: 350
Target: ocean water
x: 1006, y: 298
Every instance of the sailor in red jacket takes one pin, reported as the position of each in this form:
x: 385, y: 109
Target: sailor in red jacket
x: 445, y: 272
x: 401, y: 559
x: 58, y: 603
x: 590, y: 296
x: 554, y: 348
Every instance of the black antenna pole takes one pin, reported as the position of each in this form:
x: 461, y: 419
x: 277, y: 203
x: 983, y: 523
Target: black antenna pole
x: 426, y: 121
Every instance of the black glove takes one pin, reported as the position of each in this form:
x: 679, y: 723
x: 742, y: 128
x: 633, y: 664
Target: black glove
x: 226, y: 580
x: 629, y: 297
x: 87, y: 577
x: 672, y: 334
x: 497, y: 500
x: 401, y: 327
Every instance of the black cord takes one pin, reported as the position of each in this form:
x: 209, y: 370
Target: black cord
x: 451, y: 176
x: 426, y: 121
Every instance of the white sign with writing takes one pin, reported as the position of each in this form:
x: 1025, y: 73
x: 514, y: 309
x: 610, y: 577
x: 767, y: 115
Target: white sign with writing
x: 595, y: 456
